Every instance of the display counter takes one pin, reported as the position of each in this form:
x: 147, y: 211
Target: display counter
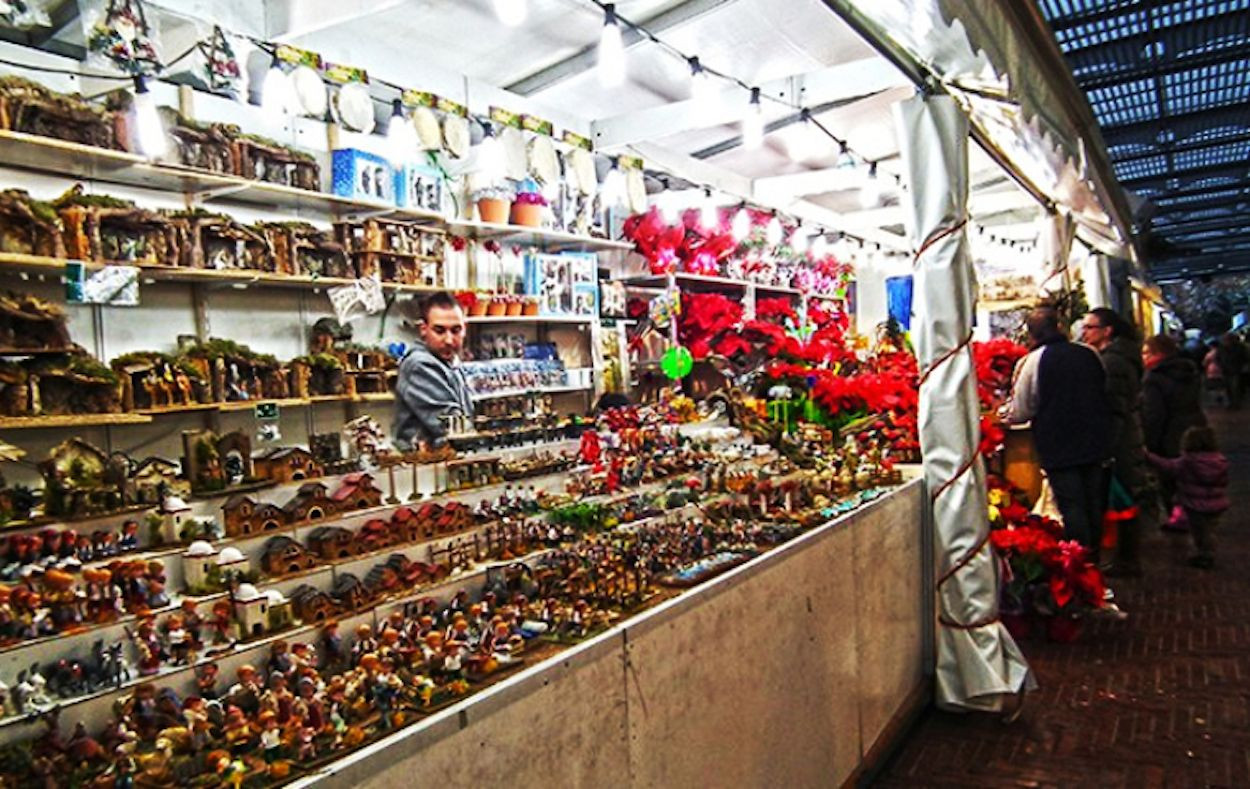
x: 793, y: 669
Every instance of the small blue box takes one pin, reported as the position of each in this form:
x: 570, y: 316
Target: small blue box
x: 360, y: 175
x: 419, y: 186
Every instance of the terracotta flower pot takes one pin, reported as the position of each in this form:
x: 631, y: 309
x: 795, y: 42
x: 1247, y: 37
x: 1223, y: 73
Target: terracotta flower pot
x: 480, y: 306
x: 514, y: 308
x: 497, y: 309
x: 527, y: 214
x: 530, y: 307
x: 490, y: 209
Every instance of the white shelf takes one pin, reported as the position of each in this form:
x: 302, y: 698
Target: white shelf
x: 534, y: 236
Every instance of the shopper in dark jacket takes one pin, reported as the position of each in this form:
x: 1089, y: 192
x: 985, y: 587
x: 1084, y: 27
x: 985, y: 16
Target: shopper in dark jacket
x: 1120, y: 350
x: 1231, y: 354
x: 1171, y: 396
x: 1061, y: 388
x: 1201, y: 476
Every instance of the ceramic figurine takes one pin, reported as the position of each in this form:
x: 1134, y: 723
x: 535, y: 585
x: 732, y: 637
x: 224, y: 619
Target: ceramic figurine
x: 206, y: 681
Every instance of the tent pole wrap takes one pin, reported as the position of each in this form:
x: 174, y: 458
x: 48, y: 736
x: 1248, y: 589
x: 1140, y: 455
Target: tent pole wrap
x: 978, y: 664
x: 1059, y: 234
x: 1097, y: 281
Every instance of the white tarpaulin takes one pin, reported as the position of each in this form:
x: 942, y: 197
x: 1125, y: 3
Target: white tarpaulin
x: 1026, y: 106
x: 978, y: 663
x: 1057, y: 250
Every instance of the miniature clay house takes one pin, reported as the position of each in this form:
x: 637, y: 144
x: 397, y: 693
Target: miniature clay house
x: 357, y: 492
x: 30, y: 322
x: 151, y: 479
x: 309, y: 505
x: 251, y: 610
x: 199, y: 561
x: 312, y: 605
x: 174, y: 512
x: 332, y: 542
x: 31, y: 108
x: 243, y: 516
x: 213, y: 463
x: 71, y: 383
x: 284, y: 556
x: 236, y: 372
x: 287, y: 464
x: 151, y: 379
x: 29, y: 226
x: 349, y: 593
x: 303, y: 250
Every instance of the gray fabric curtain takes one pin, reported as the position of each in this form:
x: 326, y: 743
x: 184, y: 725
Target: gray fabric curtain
x: 978, y: 663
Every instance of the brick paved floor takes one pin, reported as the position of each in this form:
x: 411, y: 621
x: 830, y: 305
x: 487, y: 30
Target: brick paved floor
x: 1160, y: 700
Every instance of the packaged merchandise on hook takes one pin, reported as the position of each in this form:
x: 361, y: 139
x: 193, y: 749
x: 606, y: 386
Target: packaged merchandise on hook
x: 23, y: 14
x: 121, y: 35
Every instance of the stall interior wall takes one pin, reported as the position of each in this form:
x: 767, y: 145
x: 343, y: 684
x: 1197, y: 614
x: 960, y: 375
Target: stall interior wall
x: 785, y: 672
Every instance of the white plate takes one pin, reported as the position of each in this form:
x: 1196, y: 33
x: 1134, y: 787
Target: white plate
x: 516, y: 163
x: 542, y: 158
x: 353, y: 108
x: 429, y: 135
x: 456, y: 135
x: 582, y: 171
x: 635, y: 190
x: 310, y: 91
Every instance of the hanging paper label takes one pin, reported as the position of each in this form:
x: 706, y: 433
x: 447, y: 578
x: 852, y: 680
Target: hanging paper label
x: 116, y: 286
x: 577, y: 140
x: 505, y: 117
x: 345, y: 75
x: 297, y: 57
x: 371, y: 295
x: 630, y: 162
x: 451, y: 108
x: 419, y: 98
x: 534, y: 124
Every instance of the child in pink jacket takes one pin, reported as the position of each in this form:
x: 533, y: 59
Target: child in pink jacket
x: 1201, y: 475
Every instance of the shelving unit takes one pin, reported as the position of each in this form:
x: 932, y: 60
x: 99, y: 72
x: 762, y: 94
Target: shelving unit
x: 71, y: 420
x: 574, y: 320
x: 551, y: 240
x: 704, y: 283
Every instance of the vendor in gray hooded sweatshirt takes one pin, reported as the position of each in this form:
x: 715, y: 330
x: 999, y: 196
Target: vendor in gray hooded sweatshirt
x: 431, y: 385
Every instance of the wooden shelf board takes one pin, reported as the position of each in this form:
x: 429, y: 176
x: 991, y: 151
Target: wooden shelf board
x: 71, y: 420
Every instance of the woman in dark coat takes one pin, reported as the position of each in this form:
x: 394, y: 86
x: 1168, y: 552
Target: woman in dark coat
x: 1171, y: 396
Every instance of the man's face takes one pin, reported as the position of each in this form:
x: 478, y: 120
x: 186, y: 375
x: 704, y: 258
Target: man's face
x: 1094, y: 333
x: 443, y: 332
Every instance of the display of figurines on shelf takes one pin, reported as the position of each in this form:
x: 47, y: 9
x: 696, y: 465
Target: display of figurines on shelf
x: 213, y: 463
x: 152, y: 381
x: 57, y: 385
x: 27, y: 322
x: 216, y: 241
x: 394, y: 251
x: 303, y: 250
x: 103, y: 229
x: 30, y: 108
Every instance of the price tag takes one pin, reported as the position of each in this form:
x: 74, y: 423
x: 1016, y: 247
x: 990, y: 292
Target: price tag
x: 268, y: 411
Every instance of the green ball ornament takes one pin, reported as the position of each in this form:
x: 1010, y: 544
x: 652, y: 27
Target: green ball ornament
x: 677, y: 362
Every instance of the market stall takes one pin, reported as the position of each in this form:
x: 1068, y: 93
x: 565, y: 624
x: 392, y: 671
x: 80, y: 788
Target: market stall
x: 217, y: 566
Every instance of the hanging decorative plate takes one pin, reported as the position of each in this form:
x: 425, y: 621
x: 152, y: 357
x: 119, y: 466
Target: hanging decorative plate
x: 636, y: 191
x: 542, y: 157
x: 429, y: 135
x: 456, y: 135
x: 584, y: 179
x: 516, y: 163
x: 353, y: 108
x: 310, y: 91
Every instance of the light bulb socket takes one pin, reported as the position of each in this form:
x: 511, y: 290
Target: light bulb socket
x: 141, y: 83
x: 397, y: 108
x: 696, y: 68
x: 872, y: 169
x: 755, y: 97
x: 609, y: 13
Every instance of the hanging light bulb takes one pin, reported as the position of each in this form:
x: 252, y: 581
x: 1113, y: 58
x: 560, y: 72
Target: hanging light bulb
x: 741, y: 225
x: 611, y: 50
x: 870, y: 192
x: 753, y: 122
x: 510, y: 12
x: 807, y: 141
x: 401, y: 138
x: 149, y: 131
x: 612, y: 190
x: 773, y: 233
x: 798, y: 240
x: 277, y: 94
x: 845, y: 157
x: 820, y: 247
x: 701, y: 87
x: 709, y: 215
x: 490, y: 156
